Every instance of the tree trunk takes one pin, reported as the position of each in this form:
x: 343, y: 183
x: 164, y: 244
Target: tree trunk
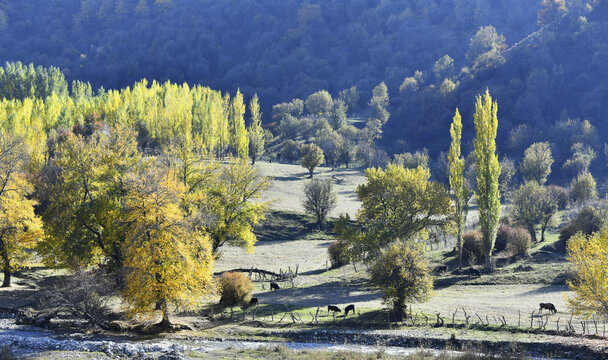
x: 532, y: 233
x: 311, y: 174
x: 6, y: 263
x: 459, y: 239
x: 542, y: 234
x: 252, y: 160
x: 489, y: 266
x: 165, y: 323
x: 7, y: 278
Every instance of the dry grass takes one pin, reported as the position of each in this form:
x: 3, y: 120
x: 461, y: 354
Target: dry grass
x: 287, y: 190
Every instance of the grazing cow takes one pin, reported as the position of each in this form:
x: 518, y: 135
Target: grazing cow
x: 253, y: 302
x: 349, y: 308
x: 547, y: 306
x: 441, y: 268
x: 274, y: 286
x: 474, y: 272
x: 335, y: 309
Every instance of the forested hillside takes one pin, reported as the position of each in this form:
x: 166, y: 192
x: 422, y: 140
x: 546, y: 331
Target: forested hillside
x: 280, y: 49
x: 549, y: 87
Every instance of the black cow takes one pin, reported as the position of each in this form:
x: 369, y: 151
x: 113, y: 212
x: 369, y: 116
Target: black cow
x: 335, y: 309
x: 274, y: 286
x: 547, y: 306
x: 349, y: 308
x: 253, y: 301
x: 473, y: 272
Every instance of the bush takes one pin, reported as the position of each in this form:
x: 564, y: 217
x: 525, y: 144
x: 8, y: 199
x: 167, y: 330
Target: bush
x: 235, y: 289
x: 81, y: 295
x: 518, y: 241
x: 502, y: 237
x: 587, y: 221
x: 337, y: 254
x: 472, y: 247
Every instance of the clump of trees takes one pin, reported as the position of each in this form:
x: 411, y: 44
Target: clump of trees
x: 128, y: 183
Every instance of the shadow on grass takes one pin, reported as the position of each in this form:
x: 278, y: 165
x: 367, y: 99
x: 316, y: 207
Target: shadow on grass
x: 287, y: 226
x: 329, y: 293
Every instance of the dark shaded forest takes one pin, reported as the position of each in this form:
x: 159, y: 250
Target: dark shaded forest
x: 280, y: 49
x: 541, y: 60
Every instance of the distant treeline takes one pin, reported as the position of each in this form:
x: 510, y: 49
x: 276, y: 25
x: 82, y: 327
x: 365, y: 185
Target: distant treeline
x: 37, y: 105
x: 281, y: 49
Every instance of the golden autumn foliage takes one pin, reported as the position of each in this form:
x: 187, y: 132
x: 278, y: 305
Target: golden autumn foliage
x: 168, y: 261
x: 235, y: 288
x: 20, y: 228
x: 588, y: 256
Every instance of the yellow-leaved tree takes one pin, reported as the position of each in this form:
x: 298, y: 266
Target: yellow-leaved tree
x: 588, y: 256
x: 168, y: 260
x: 20, y: 228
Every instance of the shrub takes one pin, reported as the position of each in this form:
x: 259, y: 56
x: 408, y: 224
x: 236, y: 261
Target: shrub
x: 587, y: 221
x: 472, y: 247
x: 502, y: 237
x: 337, y: 254
x: 235, y: 289
x: 518, y: 241
x: 82, y: 296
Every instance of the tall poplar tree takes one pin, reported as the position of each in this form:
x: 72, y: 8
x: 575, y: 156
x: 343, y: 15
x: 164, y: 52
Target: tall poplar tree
x: 488, y: 171
x: 256, y: 133
x: 459, y: 190
x: 238, y: 134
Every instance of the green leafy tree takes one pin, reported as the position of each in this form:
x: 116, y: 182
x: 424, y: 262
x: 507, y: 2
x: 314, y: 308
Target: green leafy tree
x: 412, y: 161
x: 444, y: 68
x: 551, y: 10
x: 533, y: 205
x: 255, y: 132
x: 85, y: 203
x: 319, y: 103
x: 402, y: 273
x: 583, y: 188
x: 582, y: 157
x: 319, y: 199
x: 232, y: 208
x: 397, y: 204
x: 486, y: 48
x: 311, y: 157
x: 350, y: 97
x: 331, y: 143
x: 290, y: 151
x: 337, y: 116
x: 537, y: 162
x: 488, y: 171
x: 457, y: 185
x: 379, y: 103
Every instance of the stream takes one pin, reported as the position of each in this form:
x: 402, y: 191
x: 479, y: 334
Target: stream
x: 28, y: 340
